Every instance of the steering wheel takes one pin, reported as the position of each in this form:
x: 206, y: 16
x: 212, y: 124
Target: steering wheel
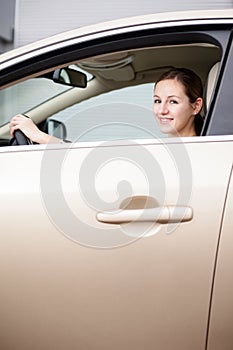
x: 20, y: 139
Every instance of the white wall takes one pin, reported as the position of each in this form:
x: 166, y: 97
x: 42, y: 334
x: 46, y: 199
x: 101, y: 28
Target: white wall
x: 36, y: 19
x: 7, y: 18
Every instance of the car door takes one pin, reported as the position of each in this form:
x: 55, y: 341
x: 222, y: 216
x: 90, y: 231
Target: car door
x: 113, y: 244
x: 71, y: 276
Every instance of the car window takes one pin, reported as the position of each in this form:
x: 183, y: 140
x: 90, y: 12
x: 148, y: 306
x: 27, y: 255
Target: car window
x: 118, y: 100
x: 26, y: 95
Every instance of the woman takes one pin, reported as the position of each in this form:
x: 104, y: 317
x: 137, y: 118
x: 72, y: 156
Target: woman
x: 178, y: 102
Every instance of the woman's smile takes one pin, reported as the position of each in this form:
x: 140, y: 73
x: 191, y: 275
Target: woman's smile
x: 165, y: 120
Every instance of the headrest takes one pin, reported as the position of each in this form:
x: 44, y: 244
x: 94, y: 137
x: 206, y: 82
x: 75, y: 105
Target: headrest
x: 211, y: 82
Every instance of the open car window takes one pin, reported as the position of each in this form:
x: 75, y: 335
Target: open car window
x: 117, y: 102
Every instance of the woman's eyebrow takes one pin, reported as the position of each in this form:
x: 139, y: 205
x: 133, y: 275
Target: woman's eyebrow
x: 169, y: 96
x: 174, y: 96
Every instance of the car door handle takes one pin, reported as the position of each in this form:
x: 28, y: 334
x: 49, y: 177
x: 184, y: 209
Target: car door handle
x: 162, y: 215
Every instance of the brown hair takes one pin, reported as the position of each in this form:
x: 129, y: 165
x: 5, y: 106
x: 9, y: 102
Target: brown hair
x: 192, y: 86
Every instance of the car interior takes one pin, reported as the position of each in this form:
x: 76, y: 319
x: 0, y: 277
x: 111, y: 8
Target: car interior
x: 146, y: 65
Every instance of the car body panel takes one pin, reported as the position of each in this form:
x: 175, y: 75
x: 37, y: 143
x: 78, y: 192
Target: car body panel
x: 141, y: 291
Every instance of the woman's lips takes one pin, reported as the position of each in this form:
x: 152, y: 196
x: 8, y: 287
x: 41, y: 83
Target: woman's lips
x: 165, y: 120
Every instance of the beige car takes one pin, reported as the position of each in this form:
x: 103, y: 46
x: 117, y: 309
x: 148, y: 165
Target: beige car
x: 122, y: 238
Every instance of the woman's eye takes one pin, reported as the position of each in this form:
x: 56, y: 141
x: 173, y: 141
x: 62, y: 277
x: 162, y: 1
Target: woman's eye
x: 157, y: 100
x: 173, y: 102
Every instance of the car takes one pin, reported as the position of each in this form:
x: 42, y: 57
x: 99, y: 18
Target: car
x: 121, y: 238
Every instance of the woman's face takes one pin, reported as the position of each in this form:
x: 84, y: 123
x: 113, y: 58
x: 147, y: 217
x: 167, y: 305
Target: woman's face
x: 173, y: 110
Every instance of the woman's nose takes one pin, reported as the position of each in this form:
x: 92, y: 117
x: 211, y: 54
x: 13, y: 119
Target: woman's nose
x: 163, y: 108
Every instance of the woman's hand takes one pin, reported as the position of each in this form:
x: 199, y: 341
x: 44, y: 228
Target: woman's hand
x: 27, y: 126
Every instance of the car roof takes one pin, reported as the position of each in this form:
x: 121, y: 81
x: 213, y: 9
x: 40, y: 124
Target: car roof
x: 161, y: 19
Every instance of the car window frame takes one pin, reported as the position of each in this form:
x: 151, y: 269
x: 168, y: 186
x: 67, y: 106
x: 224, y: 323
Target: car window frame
x: 219, y: 119
x: 134, y: 39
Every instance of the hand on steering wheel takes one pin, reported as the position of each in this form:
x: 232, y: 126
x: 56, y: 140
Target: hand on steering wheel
x: 20, y: 139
